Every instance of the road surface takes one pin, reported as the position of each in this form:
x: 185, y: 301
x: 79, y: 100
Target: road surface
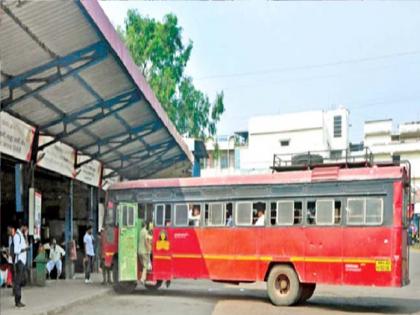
x: 207, y: 298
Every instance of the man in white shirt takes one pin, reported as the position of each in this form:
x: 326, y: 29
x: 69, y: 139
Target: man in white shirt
x: 18, y: 251
x: 89, y: 253
x: 260, y: 218
x: 56, y: 252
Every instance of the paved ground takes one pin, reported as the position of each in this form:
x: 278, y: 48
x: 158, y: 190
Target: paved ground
x: 54, y: 297
x: 203, y: 297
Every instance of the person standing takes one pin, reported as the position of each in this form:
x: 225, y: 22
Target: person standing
x: 89, y: 253
x: 18, y: 252
x: 56, y: 252
x: 106, y: 271
x: 144, y: 251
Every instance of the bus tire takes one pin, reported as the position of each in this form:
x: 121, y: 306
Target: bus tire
x: 153, y: 287
x: 307, y: 292
x: 125, y: 287
x: 283, y: 286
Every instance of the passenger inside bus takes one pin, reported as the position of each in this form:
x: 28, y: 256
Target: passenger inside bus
x: 229, y: 219
x: 194, y: 216
x: 260, y: 218
x: 337, y: 212
x: 311, y: 212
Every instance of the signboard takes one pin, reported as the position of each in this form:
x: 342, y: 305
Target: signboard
x: 37, y: 215
x: 35, y: 206
x: 89, y: 173
x: 110, y: 180
x: 31, y: 218
x: 16, y: 137
x: 57, y: 157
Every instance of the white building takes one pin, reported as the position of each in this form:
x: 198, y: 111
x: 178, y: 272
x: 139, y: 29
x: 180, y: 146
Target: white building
x: 223, y: 155
x: 324, y: 132
x: 321, y: 132
x: 387, y: 144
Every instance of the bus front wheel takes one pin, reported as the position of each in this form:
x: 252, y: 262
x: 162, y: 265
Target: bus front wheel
x: 283, y: 286
x: 122, y: 287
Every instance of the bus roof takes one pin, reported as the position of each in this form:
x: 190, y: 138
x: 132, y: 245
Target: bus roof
x: 307, y: 176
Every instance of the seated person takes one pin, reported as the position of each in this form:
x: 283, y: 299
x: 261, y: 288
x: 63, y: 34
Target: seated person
x: 194, y: 218
x: 56, y: 252
x: 6, y: 267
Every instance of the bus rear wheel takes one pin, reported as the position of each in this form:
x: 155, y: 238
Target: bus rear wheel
x: 153, y: 286
x: 124, y: 287
x: 283, y: 286
x: 307, y: 292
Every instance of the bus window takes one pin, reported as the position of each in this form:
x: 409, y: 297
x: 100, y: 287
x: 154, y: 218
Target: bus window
x: 229, y: 214
x: 181, y: 215
x: 142, y: 211
x: 367, y: 211
x: 206, y: 214
x: 168, y: 221
x: 273, y: 213
x: 194, y: 215
x: 298, y: 212
x: 324, y: 212
x: 337, y: 212
x: 124, y: 215
x: 355, y: 210
x: 130, y: 216
x: 310, y: 212
x: 149, y: 212
x: 160, y: 215
x: 110, y: 214
x: 374, y: 211
x: 258, y: 213
x: 244, y: 215
x: 216, y: 215
x: 285, y: 212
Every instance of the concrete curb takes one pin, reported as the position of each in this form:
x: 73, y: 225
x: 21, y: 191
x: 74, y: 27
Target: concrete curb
x: 62, y: 308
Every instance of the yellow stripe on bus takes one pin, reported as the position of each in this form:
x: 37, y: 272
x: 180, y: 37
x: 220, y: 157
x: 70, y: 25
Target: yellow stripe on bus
x: 334, y: 260
x: 162, y: 257
x: 186, y: 256
x: 215, y: 257
x: 270, y: 258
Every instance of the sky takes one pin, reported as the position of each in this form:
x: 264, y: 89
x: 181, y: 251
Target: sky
x: 282, y: 57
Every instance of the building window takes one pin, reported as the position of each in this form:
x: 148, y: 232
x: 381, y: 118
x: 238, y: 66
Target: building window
x: 337, y: 126
x: 224, y: 160
x: 285, y: 143
x: 336, y: 154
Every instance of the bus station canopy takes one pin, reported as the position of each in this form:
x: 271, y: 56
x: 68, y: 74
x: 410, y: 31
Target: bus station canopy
x: 65, y: 71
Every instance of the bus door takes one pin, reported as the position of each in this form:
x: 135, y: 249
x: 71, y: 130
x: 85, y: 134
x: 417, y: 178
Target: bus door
x: 128, y: 241
x: 162, y: 243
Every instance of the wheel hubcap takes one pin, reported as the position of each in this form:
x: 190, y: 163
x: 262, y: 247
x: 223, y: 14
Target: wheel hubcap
x: 283, y: 284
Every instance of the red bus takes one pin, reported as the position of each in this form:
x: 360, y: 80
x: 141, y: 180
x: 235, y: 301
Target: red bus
x: 293, y: 230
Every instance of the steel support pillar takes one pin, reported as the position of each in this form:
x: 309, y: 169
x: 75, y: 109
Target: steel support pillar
x: 68, y: 232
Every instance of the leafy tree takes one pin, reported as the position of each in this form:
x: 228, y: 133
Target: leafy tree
x: 157, y: 48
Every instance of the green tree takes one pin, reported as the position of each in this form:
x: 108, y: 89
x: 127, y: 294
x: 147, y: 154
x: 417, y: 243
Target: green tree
x: 157, y: 48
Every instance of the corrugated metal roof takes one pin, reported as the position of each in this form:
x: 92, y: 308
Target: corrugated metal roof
x: 66, y: 71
